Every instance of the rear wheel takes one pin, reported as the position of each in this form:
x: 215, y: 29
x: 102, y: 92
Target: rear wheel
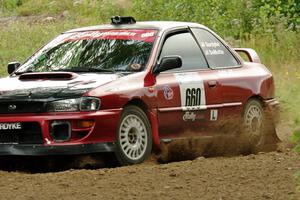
x: 134, y: 137
x: 253, y: 121
x: 259, y: 128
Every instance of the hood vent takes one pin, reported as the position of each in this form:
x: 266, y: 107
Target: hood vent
x: 48, y: 76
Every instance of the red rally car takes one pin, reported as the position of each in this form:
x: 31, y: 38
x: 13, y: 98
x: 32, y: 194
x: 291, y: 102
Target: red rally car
x: 129, y: 86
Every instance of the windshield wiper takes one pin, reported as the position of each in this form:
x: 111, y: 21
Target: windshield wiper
x: 101, y: 70
x: 85, y: 69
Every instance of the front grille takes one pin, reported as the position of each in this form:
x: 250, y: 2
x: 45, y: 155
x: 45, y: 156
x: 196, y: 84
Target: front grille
x: 30, y: 133
x: 21, y: 107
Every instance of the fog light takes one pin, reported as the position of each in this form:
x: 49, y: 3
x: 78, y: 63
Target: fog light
x: 60, y: 131
x: 85, y: 124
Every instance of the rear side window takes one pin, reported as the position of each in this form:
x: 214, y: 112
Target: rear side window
x: 185, y: 46
x: 216, y: 53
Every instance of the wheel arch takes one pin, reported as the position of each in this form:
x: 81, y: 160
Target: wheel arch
x: 253, y: 97
x: 152, y: 117
x: 139, y: 103
x: 256, y: 97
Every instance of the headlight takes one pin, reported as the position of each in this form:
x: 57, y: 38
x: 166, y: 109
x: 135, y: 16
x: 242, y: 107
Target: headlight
x: 89, y: 103
x: 71, y: 105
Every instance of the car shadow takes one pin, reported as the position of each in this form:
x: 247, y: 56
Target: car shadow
x: 44, y: 164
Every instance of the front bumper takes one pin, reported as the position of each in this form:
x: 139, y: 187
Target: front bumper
x: 39, y: 150
x: 99, y: 138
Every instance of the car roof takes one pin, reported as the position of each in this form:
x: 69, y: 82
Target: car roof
x: 158, y: 25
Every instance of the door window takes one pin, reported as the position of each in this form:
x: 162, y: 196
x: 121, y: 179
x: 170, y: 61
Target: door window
x: 184, y: 45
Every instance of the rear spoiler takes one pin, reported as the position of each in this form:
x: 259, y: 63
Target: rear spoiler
x: 250, y: 53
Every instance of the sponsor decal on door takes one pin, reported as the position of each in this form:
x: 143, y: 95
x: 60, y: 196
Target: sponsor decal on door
x: 193, y: 116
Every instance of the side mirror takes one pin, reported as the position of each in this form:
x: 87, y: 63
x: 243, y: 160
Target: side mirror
x: 13, y: 66
x: 167, y: 63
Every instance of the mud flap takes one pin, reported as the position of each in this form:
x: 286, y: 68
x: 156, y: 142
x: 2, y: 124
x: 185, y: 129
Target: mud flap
x: 154, y: 126
x: 269, y: 141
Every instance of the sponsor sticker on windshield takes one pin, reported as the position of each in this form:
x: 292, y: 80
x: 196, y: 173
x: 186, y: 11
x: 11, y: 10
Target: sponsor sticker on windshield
x: 139, y: 35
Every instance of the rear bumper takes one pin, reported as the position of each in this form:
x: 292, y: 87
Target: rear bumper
x: 39, y: 150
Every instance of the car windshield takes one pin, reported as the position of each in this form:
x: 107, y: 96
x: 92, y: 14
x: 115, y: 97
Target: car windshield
x: 94, y: 51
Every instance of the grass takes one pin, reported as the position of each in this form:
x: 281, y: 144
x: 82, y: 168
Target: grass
x: 20, y: 40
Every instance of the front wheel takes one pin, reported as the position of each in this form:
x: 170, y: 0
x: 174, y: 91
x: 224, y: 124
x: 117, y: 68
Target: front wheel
x: 134, y: 137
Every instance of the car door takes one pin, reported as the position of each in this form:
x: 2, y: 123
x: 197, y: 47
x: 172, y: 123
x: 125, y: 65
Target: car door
x: 185, y: 95
x: 227, y: 69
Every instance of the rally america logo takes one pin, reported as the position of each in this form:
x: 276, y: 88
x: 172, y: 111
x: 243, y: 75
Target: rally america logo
x: 168, y: 92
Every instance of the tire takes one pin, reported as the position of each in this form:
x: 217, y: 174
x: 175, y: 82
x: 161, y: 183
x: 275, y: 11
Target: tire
x: 259, y: 130
x: 134, y: 136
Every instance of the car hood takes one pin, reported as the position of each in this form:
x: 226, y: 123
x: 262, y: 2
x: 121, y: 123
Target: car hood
x: 35, y: 87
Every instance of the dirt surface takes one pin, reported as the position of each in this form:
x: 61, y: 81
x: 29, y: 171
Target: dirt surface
x: 262, y: 176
